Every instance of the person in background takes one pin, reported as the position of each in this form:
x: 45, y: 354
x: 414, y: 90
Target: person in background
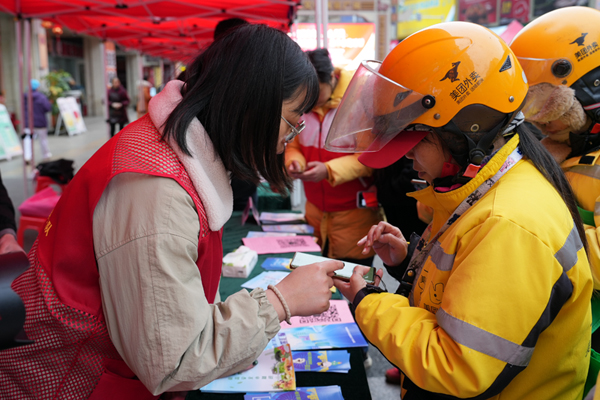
x: 559, y: 55
x: 41, y: 105
x: 118, y: 100
x: 143, y: 97
x: 331, y: 181
x: 563, y: 68
x: 8, y: 226
x: 494, y: 297
x: 122, y: 297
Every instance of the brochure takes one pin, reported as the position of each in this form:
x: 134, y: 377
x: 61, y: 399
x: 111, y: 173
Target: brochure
x: 279, y: 218
x: 252, y: 234
x: 338, y: 313
x: 286, y: 244
x: 250, y: 210
x: 274, y: 371
x: 320, y: 337
x: 301, y: 393
x: 295, y: 228
x: 264, y: 279
x: 322, y: 361
x: 276, y: 264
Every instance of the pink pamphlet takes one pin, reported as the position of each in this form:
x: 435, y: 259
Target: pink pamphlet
x: 338, y: 313
x: 287, y: 244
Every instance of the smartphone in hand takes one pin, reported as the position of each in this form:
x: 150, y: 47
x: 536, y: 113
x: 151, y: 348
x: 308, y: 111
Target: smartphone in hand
x: 345, y: 273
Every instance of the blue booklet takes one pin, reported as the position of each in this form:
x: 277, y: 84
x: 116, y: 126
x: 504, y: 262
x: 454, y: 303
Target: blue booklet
x: 276, y: 264
x: 301, y: 393
x: 322, y: 361
x: 320, y: 337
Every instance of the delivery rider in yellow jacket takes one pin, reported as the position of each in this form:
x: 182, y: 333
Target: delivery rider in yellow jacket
x: 493, y: 301
x: 560, y: 54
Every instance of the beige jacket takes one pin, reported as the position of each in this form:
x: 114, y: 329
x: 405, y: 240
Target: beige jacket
x: 153, y: 301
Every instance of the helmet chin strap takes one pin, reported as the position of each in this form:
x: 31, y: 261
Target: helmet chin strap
x: 583, y: 143
x: 470, y: 163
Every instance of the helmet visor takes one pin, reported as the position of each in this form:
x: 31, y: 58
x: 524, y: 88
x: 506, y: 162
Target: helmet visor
x: 551, y: 70
x: 373, y: 111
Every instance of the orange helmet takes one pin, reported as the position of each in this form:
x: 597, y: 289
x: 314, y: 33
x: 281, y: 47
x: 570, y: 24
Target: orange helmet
x: 559, y: 47
x: 562, y: 47
x: 456, y: 77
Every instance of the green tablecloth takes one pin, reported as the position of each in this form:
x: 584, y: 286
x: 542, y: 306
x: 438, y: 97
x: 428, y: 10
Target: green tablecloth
x: 233, y: 232
x: 354, y: 384
x: 268, y: 200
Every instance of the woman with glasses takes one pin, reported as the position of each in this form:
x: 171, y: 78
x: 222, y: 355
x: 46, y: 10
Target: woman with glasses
x: 332, y: 181
x: 122, y: 297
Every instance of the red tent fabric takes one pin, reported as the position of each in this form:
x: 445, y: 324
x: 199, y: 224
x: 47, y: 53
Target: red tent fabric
x: 174, y: 29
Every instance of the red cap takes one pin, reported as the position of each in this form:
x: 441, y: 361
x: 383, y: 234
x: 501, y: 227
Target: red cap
x: 394, y: 150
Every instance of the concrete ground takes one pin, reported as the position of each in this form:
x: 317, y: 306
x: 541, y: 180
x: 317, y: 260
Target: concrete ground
x: 16, y: 178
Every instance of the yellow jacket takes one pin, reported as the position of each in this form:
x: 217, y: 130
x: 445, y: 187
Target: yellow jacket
x: 502, y: 305
x: 583, y: 173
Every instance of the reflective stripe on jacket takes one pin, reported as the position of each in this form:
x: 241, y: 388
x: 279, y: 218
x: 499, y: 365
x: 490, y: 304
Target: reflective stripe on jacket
x: 583, y: 173
x: 502, y: 305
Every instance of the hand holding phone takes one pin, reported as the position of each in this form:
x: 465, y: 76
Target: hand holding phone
x: 301, y: 259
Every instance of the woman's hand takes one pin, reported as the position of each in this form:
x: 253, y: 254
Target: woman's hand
x: 306, y: 289
x: 357, y: 282
x: 387, y: 241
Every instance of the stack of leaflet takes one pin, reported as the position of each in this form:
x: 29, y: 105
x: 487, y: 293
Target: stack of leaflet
x: 253, y: 234
x: 313, y: 393
x: 271, y: 218
x: 335, y: 328
x: 285, y: 222
x: 298, y: 348
x: 272, y: 371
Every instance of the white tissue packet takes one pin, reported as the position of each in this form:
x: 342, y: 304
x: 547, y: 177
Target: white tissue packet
x: 239, y: 263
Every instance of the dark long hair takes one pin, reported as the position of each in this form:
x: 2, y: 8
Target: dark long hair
x: 322, y: 63
x: 545, y: 163
x: 236, y: 89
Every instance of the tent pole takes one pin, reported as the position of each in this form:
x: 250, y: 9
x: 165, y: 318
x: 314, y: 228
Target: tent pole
x: 162, y: 73
x: 318, y: 22
x: 21, y: 106
x: 325, y: 21
x: 105, y: 88
x: 27, y: 29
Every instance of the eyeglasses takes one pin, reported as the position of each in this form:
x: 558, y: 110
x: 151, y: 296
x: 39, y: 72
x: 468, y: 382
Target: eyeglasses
x: 295, y: 129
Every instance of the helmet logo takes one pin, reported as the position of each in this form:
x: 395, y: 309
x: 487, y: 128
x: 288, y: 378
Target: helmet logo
x: 465, y: 87
x: 583, y: 50
x: 579, y: 40
x: 452, y: 73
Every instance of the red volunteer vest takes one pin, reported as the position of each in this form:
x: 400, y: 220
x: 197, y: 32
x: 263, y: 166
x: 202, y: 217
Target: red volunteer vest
x: 73, y: 356
x: 324, y: 196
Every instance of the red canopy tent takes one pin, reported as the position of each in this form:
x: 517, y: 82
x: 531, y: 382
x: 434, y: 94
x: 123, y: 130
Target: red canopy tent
x: 174, y: 29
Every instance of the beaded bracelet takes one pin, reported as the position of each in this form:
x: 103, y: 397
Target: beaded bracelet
x: 288, y: 314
